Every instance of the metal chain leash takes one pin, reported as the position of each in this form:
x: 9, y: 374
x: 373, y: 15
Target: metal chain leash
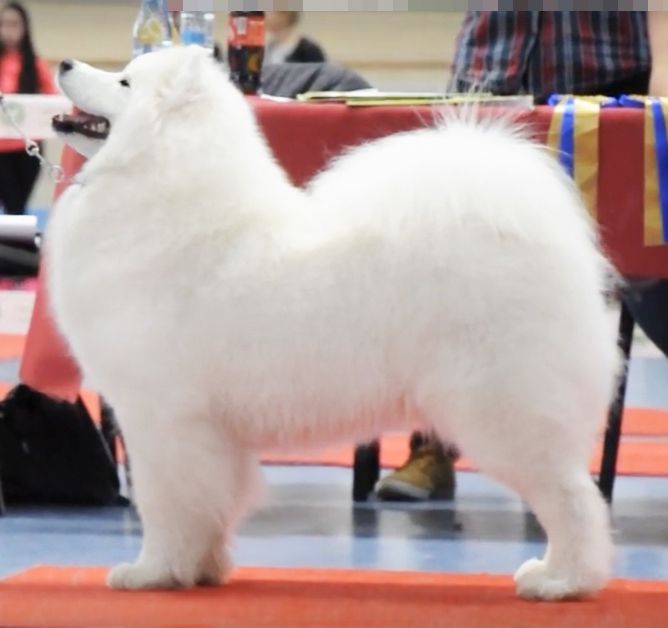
x: 55, y: 172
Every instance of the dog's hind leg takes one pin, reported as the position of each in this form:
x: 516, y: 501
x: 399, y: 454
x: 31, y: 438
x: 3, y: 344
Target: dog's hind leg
x: 546, y: 461
x: 188, y: 493
x: 578, y: 559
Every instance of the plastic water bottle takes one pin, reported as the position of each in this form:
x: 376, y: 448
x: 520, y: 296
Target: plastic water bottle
x: 197, y: 29
x: 153, y: 28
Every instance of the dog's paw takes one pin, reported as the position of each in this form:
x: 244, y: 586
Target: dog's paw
x: 217, y: 570
x: 534, y: 582
x: 137, y: 576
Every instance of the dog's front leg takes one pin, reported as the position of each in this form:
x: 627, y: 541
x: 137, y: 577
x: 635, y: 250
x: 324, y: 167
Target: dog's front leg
x: 191, y: 484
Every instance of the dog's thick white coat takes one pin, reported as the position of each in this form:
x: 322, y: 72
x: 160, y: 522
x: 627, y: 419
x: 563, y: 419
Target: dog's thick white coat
x: 447, y: 275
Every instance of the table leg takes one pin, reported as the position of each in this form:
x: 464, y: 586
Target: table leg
x: 613, y: 431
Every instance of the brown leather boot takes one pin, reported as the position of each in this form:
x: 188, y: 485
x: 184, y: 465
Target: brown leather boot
x: 429, y: 473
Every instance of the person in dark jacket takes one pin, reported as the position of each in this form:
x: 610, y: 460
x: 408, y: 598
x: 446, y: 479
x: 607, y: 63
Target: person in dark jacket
x: 291, y: 79
x: 285, y: 44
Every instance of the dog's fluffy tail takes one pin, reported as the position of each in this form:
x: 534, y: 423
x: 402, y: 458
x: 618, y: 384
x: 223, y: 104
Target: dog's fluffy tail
x: 477, y: 109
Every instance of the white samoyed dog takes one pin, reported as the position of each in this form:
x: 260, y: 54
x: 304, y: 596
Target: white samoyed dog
x: 447, y: 276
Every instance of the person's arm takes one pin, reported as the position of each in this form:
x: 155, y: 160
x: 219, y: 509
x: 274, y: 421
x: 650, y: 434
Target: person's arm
x: 307, y: 51
x: 657, y: 22
x: 315, y: 52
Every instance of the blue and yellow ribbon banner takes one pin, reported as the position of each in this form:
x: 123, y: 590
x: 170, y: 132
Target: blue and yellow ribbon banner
x: 655, y: 154
x: 573, y: 135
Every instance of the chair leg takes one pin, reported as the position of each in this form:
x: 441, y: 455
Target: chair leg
x: 366, y: 470
x: 109, y: 428
x: 2, y: 500
x: 613, y: 431
x: 113, y: 436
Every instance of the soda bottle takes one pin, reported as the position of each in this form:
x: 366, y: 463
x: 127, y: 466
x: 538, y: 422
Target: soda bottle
x: 245, y: 49
x: 152, y: 29
x: 197, y: 28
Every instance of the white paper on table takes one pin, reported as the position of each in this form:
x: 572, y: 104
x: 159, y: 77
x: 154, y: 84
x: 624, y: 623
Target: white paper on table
x: 276, y: 98
x: 33, y: 114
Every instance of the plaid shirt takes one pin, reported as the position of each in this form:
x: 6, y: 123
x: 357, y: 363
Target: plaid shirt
x: 545, y: 52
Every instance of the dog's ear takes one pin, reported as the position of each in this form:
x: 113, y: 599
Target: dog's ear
x: 187, y: 83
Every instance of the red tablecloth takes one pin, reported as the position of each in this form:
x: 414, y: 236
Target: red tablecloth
x: 305, y: 137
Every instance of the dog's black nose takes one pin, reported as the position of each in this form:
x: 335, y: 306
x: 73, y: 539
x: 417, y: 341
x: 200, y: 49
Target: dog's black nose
x: 66, y: 65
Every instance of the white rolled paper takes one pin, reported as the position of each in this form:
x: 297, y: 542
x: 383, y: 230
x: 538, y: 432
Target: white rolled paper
x: 18, y: 228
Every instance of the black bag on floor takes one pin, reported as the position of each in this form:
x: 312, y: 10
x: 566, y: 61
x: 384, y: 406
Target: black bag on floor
x: 51, y: 452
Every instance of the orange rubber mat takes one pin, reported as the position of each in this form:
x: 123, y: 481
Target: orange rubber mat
x: 11, y: 346
x: 304, y: 598
x: 636, y: 457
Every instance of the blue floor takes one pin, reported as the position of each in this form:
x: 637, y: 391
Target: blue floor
x: 311, y: 521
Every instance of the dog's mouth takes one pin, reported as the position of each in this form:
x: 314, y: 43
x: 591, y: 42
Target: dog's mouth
x: 86, y: 124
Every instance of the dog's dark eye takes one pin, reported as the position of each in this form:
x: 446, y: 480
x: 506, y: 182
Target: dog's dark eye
x: 124, y: 82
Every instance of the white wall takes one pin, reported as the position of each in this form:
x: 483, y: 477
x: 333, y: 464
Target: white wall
x: 99, y: 31
x: 393, y: 50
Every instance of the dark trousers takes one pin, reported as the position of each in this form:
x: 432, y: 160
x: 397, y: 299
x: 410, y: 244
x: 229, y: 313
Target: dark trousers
x: 636, y: 84
x: 18, y: 174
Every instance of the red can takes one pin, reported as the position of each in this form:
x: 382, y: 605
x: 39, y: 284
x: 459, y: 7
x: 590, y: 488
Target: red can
x: 245, y: 49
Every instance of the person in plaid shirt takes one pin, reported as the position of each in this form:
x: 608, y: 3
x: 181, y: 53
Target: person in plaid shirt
x: 547, y: 52
x: 541, y: 53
